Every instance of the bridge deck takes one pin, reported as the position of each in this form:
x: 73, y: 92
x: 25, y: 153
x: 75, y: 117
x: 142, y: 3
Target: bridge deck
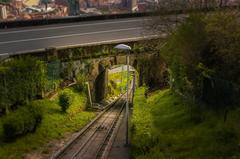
x: 16, y: 41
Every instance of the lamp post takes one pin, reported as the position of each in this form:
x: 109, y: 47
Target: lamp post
x: 127, y: 49
x: 122, y: 75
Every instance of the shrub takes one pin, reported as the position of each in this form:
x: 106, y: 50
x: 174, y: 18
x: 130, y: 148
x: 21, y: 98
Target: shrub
x: 21, y: 80
x: 21, y: 122
x: 205, y: 47
x: 65, y: 100
x: 81, y: 79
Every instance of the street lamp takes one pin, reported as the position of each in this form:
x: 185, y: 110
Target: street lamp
x: 127, y: 49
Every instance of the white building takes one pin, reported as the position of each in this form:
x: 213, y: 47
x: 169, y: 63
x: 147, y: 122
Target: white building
x: 3, y: 12
x: 134, y: 6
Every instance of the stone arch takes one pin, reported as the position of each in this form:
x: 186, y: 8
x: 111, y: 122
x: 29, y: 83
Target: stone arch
x: 100, y: 84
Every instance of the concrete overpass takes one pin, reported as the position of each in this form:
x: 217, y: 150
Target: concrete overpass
x: 21, y: 40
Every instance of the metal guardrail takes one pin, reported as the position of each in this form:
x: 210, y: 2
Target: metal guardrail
x: 84, y: 129
x: 72, y: 19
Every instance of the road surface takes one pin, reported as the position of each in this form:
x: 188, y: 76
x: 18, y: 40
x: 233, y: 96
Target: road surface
x: 21, y: 40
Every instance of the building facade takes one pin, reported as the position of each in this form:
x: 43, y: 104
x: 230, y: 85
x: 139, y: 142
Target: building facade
x: 3, y: 12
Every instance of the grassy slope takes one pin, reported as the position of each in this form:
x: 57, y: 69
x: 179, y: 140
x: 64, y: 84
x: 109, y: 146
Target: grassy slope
x: 54, y: 125
x: 165, y: 128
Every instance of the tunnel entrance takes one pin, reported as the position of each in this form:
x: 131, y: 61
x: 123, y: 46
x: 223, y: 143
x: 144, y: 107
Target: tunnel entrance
x: 100, y: 86
x: 112, y: 82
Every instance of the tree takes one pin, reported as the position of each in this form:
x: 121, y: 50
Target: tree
x: 223, y: 30
x: 203, y: 56
x: 21, y: 80
x: 5, y: 1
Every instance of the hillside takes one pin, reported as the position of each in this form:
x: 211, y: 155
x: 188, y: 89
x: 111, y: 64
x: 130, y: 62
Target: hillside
x: 165, y: 126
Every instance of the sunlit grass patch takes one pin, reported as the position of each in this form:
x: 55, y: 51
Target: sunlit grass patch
x: 55, y: 125
x: 164, y: 126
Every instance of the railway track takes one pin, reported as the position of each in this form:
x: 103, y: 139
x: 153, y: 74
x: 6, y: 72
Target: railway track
x: 91, y: 142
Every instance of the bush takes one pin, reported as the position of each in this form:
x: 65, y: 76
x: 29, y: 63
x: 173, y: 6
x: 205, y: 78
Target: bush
x: 21, y: 80
x: 81, y: 79
x: 65, y: 100
x: 205, y: 47
x: 21, y: 122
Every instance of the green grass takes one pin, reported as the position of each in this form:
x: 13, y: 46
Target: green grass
x: 55, y: 125
x: 115, y: 84
x: 165, y: 126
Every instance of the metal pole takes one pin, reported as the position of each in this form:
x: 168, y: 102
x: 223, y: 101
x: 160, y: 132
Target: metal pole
x: 126, y: 48
x: 122, y: 80
x: 133, y: 88
x: 89, y: 94
x: 127, y: 103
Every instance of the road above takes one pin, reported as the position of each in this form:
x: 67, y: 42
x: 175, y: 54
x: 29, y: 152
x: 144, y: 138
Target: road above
x: 17, y: 41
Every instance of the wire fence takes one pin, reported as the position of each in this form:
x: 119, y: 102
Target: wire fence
x: 53, y: 75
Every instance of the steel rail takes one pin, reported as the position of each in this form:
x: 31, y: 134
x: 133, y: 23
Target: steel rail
x: 85, y: 130
x: 92, y: 136
x: 80, y: 133
x: 101, y: 152
x: 108, y: 135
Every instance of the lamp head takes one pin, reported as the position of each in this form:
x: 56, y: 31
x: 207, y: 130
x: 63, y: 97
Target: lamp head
x: 122, y: 47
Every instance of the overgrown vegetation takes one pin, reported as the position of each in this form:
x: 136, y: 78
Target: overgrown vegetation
x: 65, y: 100
x: 117, y: 83
x: 24, y: 120
x: 153, y: 71
x: 30, y: 121
x: 21, y: 80
x: 203, y: 57
x: 193, y: 120
x: 54, y: 125
x: 81, y: 80
x: 165, y: 125
x: 87, y: 52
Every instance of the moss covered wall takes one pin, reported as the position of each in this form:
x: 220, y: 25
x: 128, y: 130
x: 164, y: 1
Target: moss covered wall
x: 93, y: 61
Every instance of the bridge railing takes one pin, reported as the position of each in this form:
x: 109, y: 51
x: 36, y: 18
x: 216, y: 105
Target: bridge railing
x: 71, y: 19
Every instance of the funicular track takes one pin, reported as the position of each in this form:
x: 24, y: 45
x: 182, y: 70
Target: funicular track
x: 90, y: 143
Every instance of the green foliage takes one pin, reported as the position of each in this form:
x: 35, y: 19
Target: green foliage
x: 54, y: 126
x: 67, y: 72
x: 65, y: 100
x: 183, y: 52
x: 205, y: 47
x: 21, y: 122
x: 5, y: 1
x: 223, y: 30
x: 153, y: 70
x: 21, y: 80
x: 167, y: 126
x: 81, y: 82
x: 117, y: 82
